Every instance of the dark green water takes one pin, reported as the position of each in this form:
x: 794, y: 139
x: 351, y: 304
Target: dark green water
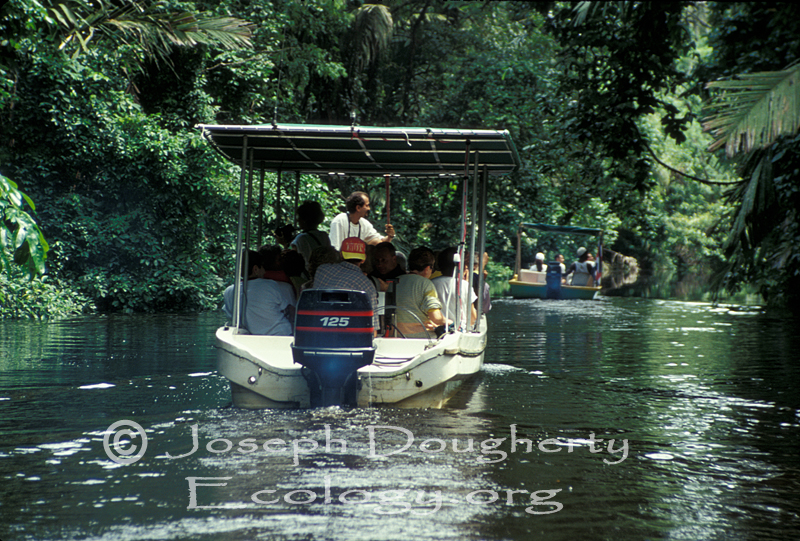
x: 702, y: 405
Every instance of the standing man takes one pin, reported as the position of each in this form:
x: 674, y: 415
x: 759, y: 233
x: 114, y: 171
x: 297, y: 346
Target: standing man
x: 353, y: 223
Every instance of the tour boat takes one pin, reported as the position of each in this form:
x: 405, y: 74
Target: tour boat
x: 333, y: 357
x: 532, y: 284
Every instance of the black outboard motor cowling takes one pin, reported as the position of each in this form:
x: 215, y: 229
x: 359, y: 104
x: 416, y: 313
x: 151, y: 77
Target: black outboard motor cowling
x: 333, y: 338
x: 553, y: 279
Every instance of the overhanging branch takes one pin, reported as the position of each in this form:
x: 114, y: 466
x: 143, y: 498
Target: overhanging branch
x: 692, y: 177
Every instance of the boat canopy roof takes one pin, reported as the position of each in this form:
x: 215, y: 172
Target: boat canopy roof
x: 561, y: 229
x: 364, y: 150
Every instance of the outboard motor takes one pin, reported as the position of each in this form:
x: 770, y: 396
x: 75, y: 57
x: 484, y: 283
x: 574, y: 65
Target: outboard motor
x: 333, y: 339
x: 553, y: 279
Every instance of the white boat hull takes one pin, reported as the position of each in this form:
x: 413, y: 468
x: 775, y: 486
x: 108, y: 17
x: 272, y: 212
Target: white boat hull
x: 417, y: 373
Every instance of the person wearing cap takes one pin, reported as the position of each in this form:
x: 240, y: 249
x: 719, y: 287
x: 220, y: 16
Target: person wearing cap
x: 419, y: 310
x: 348, y: 274
x: 582, y: 270
x: 538, y: 264
x: 354, y: 223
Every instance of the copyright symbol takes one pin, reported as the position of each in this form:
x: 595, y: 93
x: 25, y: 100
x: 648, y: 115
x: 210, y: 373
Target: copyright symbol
x: 126, y: 447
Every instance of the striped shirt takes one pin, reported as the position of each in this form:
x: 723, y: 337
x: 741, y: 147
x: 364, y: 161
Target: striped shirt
x: 345, y: 275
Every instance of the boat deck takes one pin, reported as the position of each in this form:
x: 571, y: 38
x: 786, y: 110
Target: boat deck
x: 390, y: 355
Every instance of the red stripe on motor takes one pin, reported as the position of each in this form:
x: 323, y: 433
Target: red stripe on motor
x: 326, y: 313
x: 336, y: 329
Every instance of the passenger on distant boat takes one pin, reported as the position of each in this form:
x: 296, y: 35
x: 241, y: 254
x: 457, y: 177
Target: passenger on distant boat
x: 560, y: 260
x: 582, y: 270
x: 538, y: 264
x: 353, y: 223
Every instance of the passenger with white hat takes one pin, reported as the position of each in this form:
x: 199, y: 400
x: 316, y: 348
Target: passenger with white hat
x: 538, y: 264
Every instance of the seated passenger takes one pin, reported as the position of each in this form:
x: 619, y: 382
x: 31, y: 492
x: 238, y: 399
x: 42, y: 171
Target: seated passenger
x: 285, y: 235
x: 487, y: 298
x: 418, y: 307
x: 538, y: 264
x: 347, y: 274
x: 294, y: 266
x: 582, y: 270
x: 446, y: 289
x: 320, y: 256
x: 271, y: 262
x: 384, y: 262
x: 560, y: 261
x: 267, y: 306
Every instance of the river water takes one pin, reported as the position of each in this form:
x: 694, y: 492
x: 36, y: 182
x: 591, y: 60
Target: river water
x: 615, y: 419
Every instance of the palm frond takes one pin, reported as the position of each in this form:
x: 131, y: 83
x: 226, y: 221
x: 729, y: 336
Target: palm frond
x: 160, y: 31
x: 372, y: 26
x: 587, y: 10
x: 155, y: 32
x: 584, y: 11
x: 754, y: 110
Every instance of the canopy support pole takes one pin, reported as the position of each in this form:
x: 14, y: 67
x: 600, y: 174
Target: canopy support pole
x: 462, y: 245
x: 471, y: 258
x: 475, y: 190
x: 278, y: 212
x: 388, y: 195
x: 248, y: 240
x: 599, y: 270
x: 261, y: 207
x: 241, y: 255
x: 481, y: 244
x: 296, y: 196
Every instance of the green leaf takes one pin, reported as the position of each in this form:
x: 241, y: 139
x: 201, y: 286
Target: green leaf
x: 754, y: 110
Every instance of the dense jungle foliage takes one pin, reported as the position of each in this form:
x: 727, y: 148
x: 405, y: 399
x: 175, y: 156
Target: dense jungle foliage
x: 111, y: 200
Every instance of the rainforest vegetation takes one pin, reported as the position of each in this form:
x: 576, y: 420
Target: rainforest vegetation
x: 673, y: 125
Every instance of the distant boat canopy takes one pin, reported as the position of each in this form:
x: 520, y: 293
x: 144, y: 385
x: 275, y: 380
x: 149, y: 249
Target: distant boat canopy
x: 567, y: 229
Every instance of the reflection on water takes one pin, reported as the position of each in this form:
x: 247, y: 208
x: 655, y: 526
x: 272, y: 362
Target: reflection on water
x: 609, y: 419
